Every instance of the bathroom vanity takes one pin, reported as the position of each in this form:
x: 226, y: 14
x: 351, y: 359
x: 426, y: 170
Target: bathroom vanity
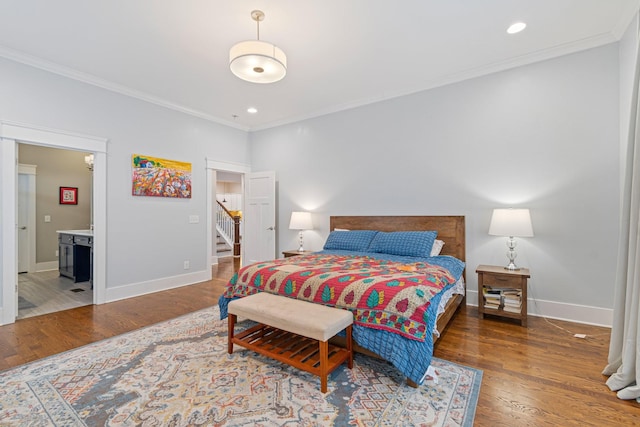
x: 75, y: 254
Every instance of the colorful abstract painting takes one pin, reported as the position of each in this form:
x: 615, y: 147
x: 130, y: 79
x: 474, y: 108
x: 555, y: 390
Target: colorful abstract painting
x: 157, y: 177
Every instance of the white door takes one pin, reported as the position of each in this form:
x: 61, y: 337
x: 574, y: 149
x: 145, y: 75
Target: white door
x: 259, y: 238
x: 26, y: 219
x: 23, y: 231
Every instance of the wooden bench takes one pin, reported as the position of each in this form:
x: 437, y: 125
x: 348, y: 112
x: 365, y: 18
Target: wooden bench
x: 293, y: 332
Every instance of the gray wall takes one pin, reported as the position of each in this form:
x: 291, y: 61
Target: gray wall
x: 57, y: 168
x: 542, y: 136
x: 147, y: 238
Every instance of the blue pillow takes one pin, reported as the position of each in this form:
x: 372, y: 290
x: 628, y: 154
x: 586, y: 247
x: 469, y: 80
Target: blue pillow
x: 404, y: 243
x: 355, y: 240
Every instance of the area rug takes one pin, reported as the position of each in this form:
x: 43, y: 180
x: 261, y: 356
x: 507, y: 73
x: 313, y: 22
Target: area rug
x: 178, y: 373
x: 24, y: 303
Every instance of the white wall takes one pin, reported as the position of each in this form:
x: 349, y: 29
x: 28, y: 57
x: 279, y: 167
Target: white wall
x: 542, y: 136
x: 147, y: 238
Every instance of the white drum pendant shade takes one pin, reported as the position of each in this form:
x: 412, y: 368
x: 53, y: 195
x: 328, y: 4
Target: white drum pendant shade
x: 257, y: 61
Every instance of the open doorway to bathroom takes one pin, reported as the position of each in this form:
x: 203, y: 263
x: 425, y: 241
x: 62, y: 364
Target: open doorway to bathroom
x: 45, y: 212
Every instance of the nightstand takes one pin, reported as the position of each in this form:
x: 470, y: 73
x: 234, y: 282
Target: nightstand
x: 503, y: 292
x: 295, y: 252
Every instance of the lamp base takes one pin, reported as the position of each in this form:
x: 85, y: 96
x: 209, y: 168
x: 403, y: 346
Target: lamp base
x: 512, y: 267
x: 511, y: 254
x: 301, y: 247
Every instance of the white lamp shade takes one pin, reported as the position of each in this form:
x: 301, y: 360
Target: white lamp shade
x: 257, y: 61
x: 511, y: 222
x: 300, y: 221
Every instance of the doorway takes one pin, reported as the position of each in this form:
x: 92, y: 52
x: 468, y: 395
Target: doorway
x: 259, y: 212
x: 11, y: 134
x: 223, y: 169
x: 42, y: 288
x: 228, y: 218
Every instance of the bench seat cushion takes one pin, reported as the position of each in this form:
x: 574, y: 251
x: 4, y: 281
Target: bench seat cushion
x: 299, y: 317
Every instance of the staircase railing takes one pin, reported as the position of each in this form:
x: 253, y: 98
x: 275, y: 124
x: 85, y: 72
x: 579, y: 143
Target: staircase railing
x: 228, y: 227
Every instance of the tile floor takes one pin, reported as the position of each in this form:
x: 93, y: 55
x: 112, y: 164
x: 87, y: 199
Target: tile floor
x: 47, y: 292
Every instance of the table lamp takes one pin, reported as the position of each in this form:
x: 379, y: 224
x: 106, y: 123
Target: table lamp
x: 300, y: 221
x: 511, y: 223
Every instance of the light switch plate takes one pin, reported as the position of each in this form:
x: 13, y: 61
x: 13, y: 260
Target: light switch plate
x: 194, y: 219
x: 47, y: 218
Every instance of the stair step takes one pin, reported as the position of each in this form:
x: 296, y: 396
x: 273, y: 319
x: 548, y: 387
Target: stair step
x: 224, y: 254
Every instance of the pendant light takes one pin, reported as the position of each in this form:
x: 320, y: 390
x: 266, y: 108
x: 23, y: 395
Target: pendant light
x: 257, y: 61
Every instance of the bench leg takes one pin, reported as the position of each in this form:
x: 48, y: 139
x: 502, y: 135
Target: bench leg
x: 324, y: 365
x: 231, y: 322
x: 350, y: 345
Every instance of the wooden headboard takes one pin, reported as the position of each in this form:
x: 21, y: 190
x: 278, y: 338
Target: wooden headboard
x: 450, y: 228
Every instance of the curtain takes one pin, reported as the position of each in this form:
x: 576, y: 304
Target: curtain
x: 623, y: 366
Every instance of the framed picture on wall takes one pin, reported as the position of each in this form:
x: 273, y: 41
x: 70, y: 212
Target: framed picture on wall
x: 68, y: 195
x: 156, y: 177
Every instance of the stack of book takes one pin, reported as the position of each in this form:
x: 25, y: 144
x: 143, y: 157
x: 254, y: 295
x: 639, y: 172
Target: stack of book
x: 492, y: 298
x: 512, y: 300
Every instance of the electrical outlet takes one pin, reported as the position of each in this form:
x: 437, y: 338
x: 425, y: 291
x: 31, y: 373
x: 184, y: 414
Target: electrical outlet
x: 47, y: 218
x: 186, y: 265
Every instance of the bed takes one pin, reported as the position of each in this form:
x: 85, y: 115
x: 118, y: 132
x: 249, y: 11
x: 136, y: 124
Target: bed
x: 401, y: 311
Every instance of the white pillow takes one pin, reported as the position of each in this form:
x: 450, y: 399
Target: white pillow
x: 437, y: 247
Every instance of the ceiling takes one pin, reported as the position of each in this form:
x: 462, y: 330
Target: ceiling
x: 340, y: 53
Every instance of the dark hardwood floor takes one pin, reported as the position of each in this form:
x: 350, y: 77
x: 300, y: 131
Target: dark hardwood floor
x: 535, y: 376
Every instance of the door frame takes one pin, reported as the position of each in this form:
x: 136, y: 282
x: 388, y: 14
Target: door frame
x: 12, y: 133
x: 212, y: 167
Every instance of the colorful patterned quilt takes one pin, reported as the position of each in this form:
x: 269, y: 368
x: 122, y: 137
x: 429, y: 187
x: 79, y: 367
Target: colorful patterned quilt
x: 382, y: 294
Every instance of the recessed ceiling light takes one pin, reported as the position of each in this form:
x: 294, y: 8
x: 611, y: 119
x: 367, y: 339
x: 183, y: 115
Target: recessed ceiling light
x: 252, y: 110
x: 516, y: 28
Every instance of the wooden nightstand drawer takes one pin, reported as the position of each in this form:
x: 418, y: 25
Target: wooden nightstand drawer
x: 496, y: 281
x: 291, y: 253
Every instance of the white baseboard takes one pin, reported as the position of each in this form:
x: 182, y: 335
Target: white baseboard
x: 151, y: 286
x: 561, y: 311
x: 46, y: 266
x: 555, y: 310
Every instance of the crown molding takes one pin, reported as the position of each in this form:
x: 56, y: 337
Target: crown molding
x: 70, y: 73
x: 626, y: 18
x: 533, y: 57
x: 538, y: 56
